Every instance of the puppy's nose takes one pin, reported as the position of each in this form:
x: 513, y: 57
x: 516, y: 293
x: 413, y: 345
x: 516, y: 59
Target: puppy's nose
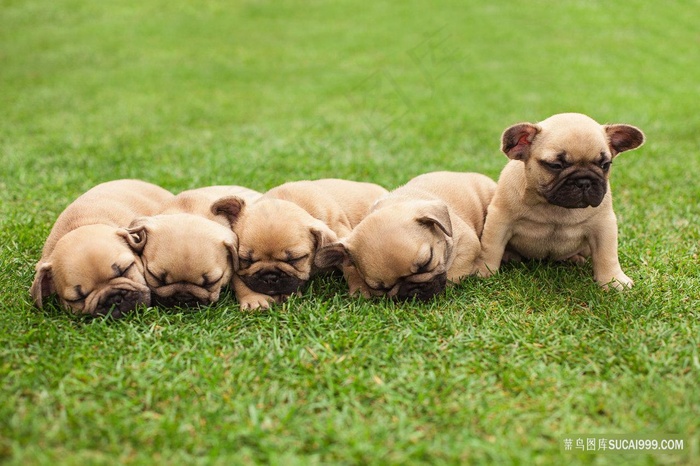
x: 186, y: 299
x: 422, y: 291
x: 183, y: 299
x: 413, y: 288
x: 271, y: 277
x: 118, y: 303
x: 583, y: 183
x: 419, y: 291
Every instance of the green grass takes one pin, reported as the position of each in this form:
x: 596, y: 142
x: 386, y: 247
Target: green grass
x: 187, y: 94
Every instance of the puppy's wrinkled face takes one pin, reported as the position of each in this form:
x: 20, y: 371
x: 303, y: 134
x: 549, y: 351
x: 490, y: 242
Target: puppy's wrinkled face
x: 568, y: 156
x: 94, y: 271
x: 572, y: 167
x: 187, y: 259
x: 277, y: 242
x: 402, y: 252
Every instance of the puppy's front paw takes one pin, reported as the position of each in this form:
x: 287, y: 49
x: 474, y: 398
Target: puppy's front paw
x: 619, y: 282
x: 359, y: 288
x: 483, y: 270
x: 577, y: 259
x: 256, y: 301
x: 356, y: 285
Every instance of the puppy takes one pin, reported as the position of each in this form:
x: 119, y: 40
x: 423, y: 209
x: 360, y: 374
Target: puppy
x: 199, y: 201
x: 417, y: 238
x: 188, y: 251
x: 553, y: 199
x: 86, y: 259
x: 280, y: 233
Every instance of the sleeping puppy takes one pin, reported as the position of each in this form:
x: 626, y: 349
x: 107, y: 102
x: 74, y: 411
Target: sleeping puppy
x: 417, y: 238
x: 553, y: 199
x: 188, y: 251
x: 86, y: 259
x: 199, y: 201
x: 280, y: 233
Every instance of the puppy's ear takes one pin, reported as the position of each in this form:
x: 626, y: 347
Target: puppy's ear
x: 435, y: 214
x: 623, y: 137
x: 230, y: 207
x: 332, y: 255
x: 42, y: 285
x: 232, y: 246
x: 135, y: 236
x: 516, y: 140
x: 322, y: 234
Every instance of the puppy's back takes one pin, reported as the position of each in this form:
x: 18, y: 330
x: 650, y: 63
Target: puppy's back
x: 354, y: 197
x: 331, y: 200
x: 468, y: 194
x: 199, y: 201
x: 115, y: 203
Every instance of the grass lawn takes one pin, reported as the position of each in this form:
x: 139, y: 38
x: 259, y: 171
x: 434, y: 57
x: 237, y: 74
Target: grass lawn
x: 187, y: 94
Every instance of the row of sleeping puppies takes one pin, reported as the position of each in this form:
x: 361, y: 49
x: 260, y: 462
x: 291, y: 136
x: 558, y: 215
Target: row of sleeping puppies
x: 127, y: 243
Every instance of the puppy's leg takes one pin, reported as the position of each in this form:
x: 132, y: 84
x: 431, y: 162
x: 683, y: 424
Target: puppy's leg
x: 606, y: 265
x: 494, y: 239
x: 356, y: 284
x: 249, y: 299
x: 466, y: 253
x: 511, y: 256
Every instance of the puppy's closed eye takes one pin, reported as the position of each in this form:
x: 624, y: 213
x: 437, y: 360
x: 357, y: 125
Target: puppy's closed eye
x: 210, y: 283
x: 121, y: 271
x: 160, y: 278
x: 79, y: 294
x: 244, y: 262
x: 294, y: 260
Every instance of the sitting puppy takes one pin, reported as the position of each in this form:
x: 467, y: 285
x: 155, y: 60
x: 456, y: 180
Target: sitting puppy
x: 86, y: 260
x: 280, y: 233
x: 188, y: 251
x: 417, y: 238
x: 553, y: 199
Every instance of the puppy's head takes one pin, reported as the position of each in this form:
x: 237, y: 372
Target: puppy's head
x: 93, y: 271
x: 568, y: 156
x: 402, y: 251
x: 277, y: 243
x: 187, y: 259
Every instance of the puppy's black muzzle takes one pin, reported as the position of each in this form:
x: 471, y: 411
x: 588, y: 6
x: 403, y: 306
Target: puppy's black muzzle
x: 578, y: 192
x: 120, y: 302
x: 422, y: 291
x: 273, y: 282
x: 180, y: 299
